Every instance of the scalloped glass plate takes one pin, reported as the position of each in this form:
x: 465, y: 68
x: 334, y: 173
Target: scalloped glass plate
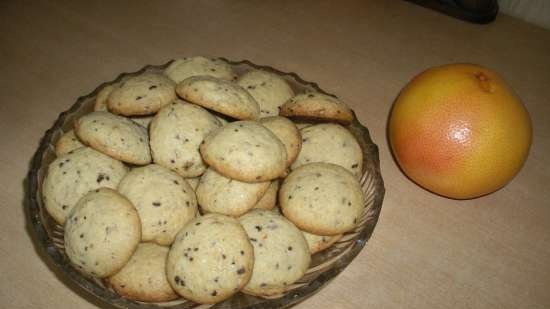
x: 325, y: 265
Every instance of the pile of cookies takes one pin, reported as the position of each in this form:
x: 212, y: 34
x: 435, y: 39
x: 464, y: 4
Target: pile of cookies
x: 195, y: 183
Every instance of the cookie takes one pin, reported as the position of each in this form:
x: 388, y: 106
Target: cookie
x: 300, y: 124
x: 317, y: 243
x: 219, y: 194
x: 72, y: 175
x: 176, y: 133
x: 221, y: 119
x: 141, y: 95
x: 269, y: 199
x: 101, y: 233
x: 193, y: 182
x: 330, y: 143
x: 116, y: 136
x: 287, y: 132
x: 211, y: 259
x: 281, y: 254
x: 246, y: 151
x: 67, y: 143
x: 143, y: 278
x: 219, y: 95
x: 164, y: 200
x: 181, y: 69
x: 322, y: 198
x: 143, y: 121
x: 268, y: 89
x: 318, y: 106
x: 100, y: 104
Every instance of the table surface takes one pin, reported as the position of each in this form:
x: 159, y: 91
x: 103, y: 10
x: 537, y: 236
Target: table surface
x: 426, y: 251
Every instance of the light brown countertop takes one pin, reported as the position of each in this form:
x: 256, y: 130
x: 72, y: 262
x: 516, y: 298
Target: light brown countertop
x: 426, y: 252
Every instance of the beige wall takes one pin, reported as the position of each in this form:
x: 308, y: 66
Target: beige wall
x: 534, y: 11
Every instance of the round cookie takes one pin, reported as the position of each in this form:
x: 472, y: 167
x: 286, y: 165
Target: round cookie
x: 219, y: 194
x: 176, y: 133
x: 269, y: 199
x: 101, y: 106
x: 144, y: 94
x: 210, y: 260
x: 164, y: 200
x: 330, y: 143
x: 317, y: 243
x: 219, y: 95
x: 143, y: 278
x: 268, y: 89
x: 116, y: 136
x: 246, y: 151
x: 281, y: 254
x: 181, y: 69
x: 67, y: 143
x: 101, y: 98
x: 288, y: 133
x: 322, y: 198
x: 300, y: 124
x: 102, y: 232
x: 193, y: 182
x: 72, y: 175
x: 143, y: 121
x: 318, y: 106
x: 221, y: 119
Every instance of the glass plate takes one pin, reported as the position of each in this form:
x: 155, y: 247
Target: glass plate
x: 325, y: 265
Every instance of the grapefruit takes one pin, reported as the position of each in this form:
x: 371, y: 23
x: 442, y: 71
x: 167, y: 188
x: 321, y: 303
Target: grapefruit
x: 459, y: 130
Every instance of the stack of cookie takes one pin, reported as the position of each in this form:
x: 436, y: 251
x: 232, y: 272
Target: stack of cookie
x: 199, y: 183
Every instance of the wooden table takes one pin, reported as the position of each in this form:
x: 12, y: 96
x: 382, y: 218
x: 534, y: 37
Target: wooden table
x: 426, y: 252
